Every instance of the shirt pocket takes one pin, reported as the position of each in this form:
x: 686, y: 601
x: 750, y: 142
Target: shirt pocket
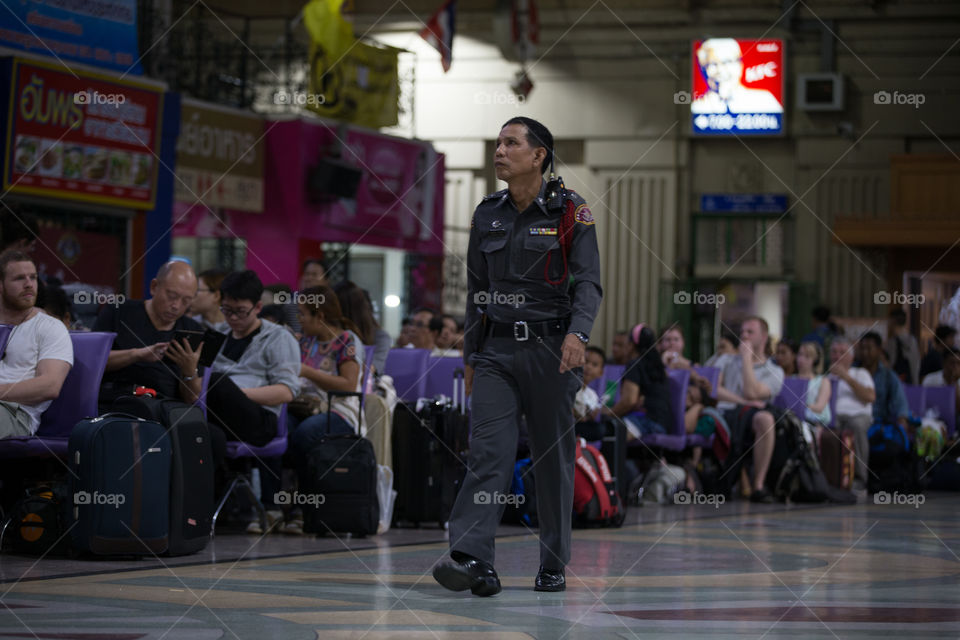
x: 534, y: 258
x: 494, y: 249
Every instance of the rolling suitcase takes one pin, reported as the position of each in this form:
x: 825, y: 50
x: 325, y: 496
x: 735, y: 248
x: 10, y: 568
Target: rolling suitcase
x: 837, y: 457
x: 120, y: 485
x: 339, y: 492
x: 429, y: 456
x: 191, y: 468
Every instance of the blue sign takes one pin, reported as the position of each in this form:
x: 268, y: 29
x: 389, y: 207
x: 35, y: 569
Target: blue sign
x: 743, y: 203
x: 100, y: 33
x: 743, y: 124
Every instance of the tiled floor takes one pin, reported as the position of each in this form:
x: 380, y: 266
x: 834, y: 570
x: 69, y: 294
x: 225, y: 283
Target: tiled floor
x: 740, y: 571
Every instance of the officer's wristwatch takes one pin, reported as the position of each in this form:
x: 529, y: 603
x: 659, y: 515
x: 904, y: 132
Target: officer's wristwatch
x: 584, y: 338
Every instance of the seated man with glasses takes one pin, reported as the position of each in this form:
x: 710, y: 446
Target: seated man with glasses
x: 145, y: 354
x: 257, y: 369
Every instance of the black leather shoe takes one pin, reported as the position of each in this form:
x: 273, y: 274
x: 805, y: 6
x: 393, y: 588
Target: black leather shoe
x: 550, y: 580
x: 468, y: 573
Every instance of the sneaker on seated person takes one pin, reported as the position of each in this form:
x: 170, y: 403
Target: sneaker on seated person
x: 274, y: 519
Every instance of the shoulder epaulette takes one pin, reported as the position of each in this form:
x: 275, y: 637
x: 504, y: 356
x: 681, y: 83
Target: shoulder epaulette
x: 570, y: 194
x: 493, y: 196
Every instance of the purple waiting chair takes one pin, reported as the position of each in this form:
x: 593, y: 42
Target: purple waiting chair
x: 408, y: 369
x: 675, y: 439
x: 712, y: 374
x: 793, y: 396
x: 439, y: 374
x: 368, y: 351
x: 5, y: 330
x: 77, y: 400
x: 915, y: 398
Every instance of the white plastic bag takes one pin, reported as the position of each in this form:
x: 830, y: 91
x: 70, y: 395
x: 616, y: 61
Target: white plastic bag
x: 387, y: 391
x: 386, y: 496
x: 662, y: 481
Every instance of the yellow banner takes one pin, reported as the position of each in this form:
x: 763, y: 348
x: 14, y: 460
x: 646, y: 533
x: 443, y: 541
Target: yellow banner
x: 326, y: 25
x: 349, y: 80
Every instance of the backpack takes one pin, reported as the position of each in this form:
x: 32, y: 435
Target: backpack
x: 522, y: 510
x: 800, y: 478
x: 36, y: 523
x: 894, y: 464
x: 595, y: 497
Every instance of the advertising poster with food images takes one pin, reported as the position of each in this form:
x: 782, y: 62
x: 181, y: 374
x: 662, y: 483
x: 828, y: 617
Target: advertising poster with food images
x: 82, y: 137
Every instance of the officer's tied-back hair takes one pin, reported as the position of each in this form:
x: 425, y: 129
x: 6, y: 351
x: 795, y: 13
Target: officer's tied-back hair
x: 537, y: 136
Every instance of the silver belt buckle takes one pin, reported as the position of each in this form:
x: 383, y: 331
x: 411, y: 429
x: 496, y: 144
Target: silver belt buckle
x: 526, y: 331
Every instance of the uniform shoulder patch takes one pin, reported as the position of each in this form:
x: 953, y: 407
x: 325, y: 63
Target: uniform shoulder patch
x: 583, y: 215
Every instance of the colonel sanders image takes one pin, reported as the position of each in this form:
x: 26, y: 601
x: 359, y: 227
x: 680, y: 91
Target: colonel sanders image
x: 721, y: 64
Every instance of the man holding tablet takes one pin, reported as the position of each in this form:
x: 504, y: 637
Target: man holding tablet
x: 145, y: 352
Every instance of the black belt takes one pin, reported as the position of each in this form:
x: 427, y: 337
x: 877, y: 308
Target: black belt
x: 521, y: 330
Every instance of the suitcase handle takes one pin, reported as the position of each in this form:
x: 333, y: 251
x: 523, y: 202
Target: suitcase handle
x: 342, y: 394
x: 117, y: 414
x: 459, y: 391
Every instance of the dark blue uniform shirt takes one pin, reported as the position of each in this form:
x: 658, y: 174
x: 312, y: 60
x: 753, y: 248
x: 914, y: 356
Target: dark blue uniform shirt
x: 512, y: 255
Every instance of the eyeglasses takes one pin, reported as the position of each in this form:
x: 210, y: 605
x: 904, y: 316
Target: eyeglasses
x: 236, y: 313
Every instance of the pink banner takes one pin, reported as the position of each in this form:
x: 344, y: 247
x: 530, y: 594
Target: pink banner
x: 398, y: 204
x: 199, y: 221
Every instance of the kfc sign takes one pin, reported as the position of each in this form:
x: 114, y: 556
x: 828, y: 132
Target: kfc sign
x: 737, y: 87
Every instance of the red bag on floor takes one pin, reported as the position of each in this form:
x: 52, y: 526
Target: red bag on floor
x: 595, y: 498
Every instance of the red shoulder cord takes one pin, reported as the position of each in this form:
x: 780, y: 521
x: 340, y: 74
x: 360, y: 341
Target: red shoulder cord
x: 566, y: 241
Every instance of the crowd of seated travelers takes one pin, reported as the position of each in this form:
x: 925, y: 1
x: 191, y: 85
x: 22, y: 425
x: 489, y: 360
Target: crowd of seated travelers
x: 284, y: 351
x: 862, y: 372
x: 288, y: 352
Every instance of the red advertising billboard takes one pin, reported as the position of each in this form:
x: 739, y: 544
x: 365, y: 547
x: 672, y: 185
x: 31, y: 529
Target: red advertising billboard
x: 82, y: 136
x: 737, y: 86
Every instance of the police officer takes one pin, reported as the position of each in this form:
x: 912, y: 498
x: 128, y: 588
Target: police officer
x: 533, y: 290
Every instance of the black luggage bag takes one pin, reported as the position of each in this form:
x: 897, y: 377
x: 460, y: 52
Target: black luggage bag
x: 339, y: 492
x: 191, y: 470
x: 430, y: 449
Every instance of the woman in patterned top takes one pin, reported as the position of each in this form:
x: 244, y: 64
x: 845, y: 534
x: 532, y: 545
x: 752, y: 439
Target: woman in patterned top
x: 331, y: 357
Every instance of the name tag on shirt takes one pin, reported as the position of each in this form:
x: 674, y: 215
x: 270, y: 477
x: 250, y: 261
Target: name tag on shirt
x: 543, y: 231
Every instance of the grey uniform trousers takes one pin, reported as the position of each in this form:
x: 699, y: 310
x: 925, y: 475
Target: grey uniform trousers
x: 513, y: 379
